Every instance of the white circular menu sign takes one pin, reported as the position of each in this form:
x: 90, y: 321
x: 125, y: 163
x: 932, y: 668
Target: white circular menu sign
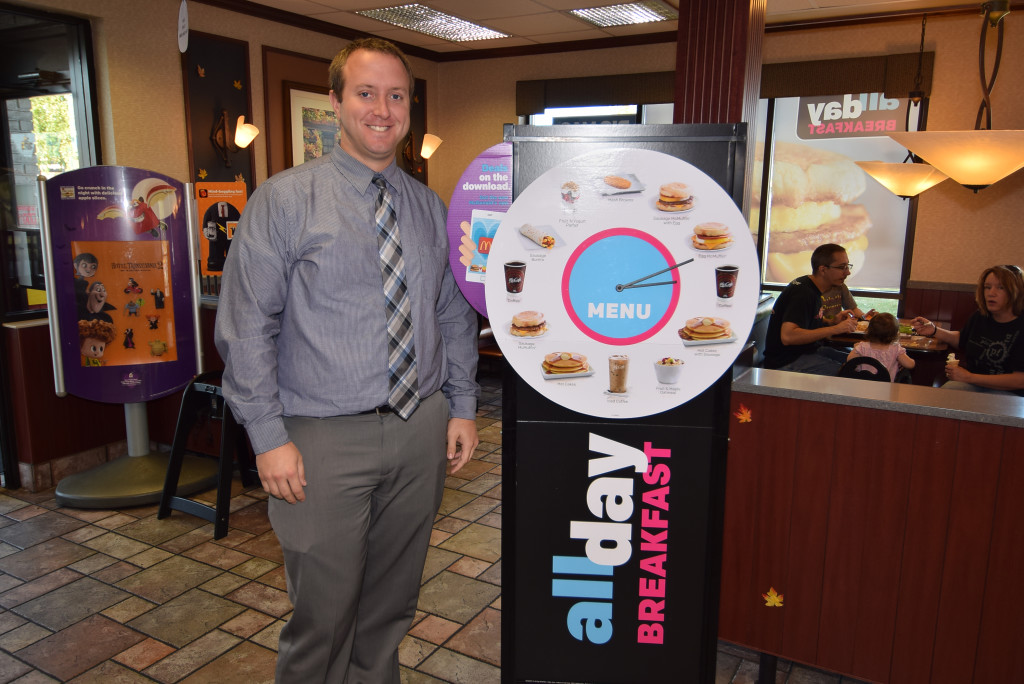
x: 623, y: 283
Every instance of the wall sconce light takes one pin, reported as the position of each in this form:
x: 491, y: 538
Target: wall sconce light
x: 978, y: 158
x: 221, y: 138
x: 245, y: 133
x: 430, y: 143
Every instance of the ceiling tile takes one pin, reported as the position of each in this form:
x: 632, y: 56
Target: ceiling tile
x: 549, y: 22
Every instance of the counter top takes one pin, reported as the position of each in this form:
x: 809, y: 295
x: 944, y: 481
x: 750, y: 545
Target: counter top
x: 887, y: 396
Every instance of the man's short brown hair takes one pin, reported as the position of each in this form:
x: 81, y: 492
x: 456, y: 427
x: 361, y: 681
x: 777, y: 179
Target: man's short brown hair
x: 336, y: 80
x: 822, y: 256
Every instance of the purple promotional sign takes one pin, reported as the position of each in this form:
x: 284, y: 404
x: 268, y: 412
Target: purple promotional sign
x: 479, y: 203
x: 120, y: 283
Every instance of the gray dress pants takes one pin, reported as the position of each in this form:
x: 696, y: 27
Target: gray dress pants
x: 354, y: 549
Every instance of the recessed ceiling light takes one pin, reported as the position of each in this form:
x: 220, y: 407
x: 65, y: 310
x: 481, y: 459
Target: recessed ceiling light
x: 630, y: 13
x: 431, y: 22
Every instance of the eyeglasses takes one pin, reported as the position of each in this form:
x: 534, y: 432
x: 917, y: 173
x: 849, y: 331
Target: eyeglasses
x: 843, y: 267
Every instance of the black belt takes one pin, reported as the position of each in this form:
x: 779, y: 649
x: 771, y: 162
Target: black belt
x: 381, y: 410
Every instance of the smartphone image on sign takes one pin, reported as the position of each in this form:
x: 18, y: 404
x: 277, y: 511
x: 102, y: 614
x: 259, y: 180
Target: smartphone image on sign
x: 483, y: 225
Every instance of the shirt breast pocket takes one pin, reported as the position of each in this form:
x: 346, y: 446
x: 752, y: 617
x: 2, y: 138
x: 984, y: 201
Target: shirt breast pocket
x: 433, y: 259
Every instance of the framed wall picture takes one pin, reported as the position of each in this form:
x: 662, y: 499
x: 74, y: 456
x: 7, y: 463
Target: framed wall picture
x: 310, y: 121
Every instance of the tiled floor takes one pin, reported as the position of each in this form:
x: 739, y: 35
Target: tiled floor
x: 119, y: 596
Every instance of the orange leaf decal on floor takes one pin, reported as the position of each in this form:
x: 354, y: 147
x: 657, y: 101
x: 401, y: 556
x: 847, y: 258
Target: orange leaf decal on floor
x: 743, y: 415
x: 772, y: 598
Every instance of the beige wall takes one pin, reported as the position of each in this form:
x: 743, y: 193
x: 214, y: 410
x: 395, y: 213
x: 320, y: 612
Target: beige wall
x: 139, y: 80
x: 143, y: 121
x: 477, y: 97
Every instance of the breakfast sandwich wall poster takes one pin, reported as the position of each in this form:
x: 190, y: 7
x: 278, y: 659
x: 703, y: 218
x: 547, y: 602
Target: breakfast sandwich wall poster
x: 120, y: 282
x: 829, y: 198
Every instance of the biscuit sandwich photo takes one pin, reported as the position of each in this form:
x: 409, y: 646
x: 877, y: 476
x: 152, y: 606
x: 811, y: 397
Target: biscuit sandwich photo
x: 704, y: 329
x: 711, y: 236
x: 528, y: 324
x: 812, y: 203
x: 675, y: 197
x: 564, y: 363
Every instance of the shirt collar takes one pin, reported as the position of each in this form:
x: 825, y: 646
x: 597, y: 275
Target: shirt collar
x: 361, y: 175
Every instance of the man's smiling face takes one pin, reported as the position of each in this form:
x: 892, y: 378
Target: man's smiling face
x: 373, y: 112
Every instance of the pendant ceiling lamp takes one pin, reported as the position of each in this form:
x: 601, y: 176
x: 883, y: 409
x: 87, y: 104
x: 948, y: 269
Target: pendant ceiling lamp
x: 912, y: 176
x: 905, y: 180
x: 978, y: 158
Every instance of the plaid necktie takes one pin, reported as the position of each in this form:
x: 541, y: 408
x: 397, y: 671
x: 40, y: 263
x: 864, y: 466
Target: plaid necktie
x: 403, y: 392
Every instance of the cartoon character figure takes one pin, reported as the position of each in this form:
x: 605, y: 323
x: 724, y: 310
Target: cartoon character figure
x: 95, y: 306
x: 158, y: 298
x: 93, y: 338
x: 129, y: 338
x: 143, y: 218
x: 154, y: 322
x: 132, y: 307
x: 85, y: 265
x: 157, y: 347
x: 133, y: 287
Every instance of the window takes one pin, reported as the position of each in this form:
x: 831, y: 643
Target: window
x: 815, y: 194
x: 48, y: 124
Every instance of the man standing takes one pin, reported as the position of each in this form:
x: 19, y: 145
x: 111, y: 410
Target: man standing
x: 347, y: 346
x: 797, y: 327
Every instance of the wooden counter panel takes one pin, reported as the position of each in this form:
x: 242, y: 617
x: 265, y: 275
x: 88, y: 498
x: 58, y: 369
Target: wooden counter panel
x: 931, y: 485
x: 46, y: 426
x: 971, y: 511
x: 738, y: 537
x: 1004, y: 596
x: 897, y: 556
x: 808, y: 529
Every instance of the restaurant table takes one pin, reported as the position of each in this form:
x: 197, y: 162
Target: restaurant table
x: 928, y: 353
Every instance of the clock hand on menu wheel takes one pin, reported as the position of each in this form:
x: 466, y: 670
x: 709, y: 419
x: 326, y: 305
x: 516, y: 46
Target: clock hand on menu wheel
x: 627, y: 286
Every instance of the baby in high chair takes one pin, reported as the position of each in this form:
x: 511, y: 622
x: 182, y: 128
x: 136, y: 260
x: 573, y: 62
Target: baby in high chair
x: 882, y: 345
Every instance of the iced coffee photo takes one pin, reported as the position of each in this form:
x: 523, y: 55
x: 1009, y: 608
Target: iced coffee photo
x: 618, y: 372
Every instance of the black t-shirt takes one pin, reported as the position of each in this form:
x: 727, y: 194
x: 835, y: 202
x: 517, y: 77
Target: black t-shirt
x: 988, y: 347
x: 799, y: 303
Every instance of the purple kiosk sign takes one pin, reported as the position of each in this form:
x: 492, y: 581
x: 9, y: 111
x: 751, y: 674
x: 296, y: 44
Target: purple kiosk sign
x: 122, y: 297
x: 119, y: 288
x: 478, y: 205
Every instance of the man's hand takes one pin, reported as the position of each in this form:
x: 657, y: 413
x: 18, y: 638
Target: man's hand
x: 462, y: 442
x: 282, y: 474
x: 845, y: 326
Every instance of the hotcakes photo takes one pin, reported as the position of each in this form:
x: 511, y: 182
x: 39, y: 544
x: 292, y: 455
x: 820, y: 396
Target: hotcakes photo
x: 706, y: 330
x: 565, y: 364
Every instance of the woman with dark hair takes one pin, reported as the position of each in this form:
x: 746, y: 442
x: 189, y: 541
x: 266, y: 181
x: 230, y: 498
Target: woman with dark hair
x: 991, y: 345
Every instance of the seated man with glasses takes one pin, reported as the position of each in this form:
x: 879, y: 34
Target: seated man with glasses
x: 797, y: 329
